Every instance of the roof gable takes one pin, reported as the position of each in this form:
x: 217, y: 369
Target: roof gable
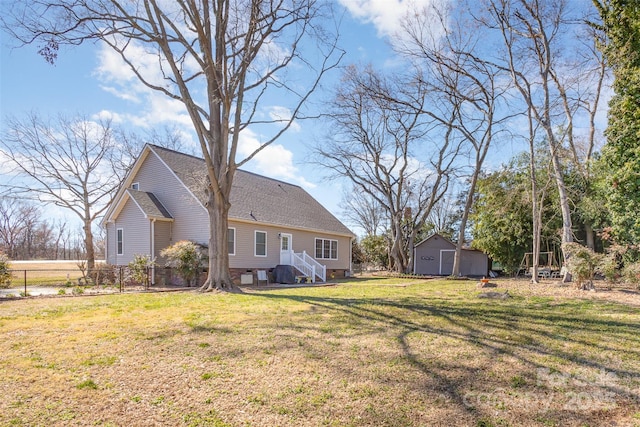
x: 149, y: 204
x: 439, y: 236
x: 435, y: 236
x: 121, y: 196
x: 254, y: 198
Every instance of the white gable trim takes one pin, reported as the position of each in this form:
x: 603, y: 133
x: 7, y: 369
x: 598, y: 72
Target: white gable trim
x: 114, y: 208
x: 123, y: 201
x: 110, y: 214
x: 159, y: 218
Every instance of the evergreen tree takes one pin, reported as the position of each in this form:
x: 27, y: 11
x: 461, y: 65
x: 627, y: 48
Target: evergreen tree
x: 621, y: 155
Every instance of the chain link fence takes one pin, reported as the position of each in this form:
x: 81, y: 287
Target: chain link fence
x: 102, y: 279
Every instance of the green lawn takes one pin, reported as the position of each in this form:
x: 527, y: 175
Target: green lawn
x: 374, y: 352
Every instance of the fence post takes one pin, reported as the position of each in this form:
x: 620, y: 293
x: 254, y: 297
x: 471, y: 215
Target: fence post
x: 25, y: 283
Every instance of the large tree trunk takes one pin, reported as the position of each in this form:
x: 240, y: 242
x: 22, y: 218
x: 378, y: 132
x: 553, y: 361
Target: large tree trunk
x: 565, y: 208
x: 536, y: 208
x: 397, y: 248
x: 590, y: 238
x: 218, y: 277
x: 463, y: 221
x: 88, y: 242
x: 410, y: 244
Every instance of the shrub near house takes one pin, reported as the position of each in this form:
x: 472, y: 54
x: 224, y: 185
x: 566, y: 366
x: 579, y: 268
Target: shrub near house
x: 186, y: 258
x: 5, y: 274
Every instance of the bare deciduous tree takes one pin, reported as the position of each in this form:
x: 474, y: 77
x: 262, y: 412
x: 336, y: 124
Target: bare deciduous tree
x: 539, y: 51
x: 378, y: 126
x: 222, y: 59
x: 445, y: 45
x: 71, y: 163
x: 364, y: 211
x: 443, y: 218
x: 15, y: 215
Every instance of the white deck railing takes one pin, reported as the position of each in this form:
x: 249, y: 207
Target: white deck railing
x: 309, y: 266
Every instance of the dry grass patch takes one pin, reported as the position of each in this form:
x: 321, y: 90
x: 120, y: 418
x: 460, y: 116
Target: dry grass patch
x: 363, y: 353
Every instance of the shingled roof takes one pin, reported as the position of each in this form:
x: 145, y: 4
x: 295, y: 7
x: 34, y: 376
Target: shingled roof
x: 257, y: 198
x: 149, y: 204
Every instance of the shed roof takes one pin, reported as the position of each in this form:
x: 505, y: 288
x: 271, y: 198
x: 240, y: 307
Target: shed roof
x: 436, y: 236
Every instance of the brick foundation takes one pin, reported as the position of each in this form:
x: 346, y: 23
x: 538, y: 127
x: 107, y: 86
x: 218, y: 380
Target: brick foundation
x: 237, y: 272
x: 166, y: 276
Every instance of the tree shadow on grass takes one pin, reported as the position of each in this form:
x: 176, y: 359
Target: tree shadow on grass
x: 532, y: 335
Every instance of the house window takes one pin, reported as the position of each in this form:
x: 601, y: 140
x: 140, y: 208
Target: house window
x: 326, y: 249
x: 260, y: 243
x: 231, y: 241
x: 135, y: 186
x: 120, y: 241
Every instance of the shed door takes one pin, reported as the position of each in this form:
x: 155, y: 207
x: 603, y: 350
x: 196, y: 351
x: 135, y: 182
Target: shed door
x: 446, y: 261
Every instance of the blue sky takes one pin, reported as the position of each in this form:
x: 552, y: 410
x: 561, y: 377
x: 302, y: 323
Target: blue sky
x: 86, y: 81
x: 81, y: 82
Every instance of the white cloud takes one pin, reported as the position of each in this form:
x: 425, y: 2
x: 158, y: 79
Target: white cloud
x: 385, y: 15
x: 120, y: 81
x: 113, y: 68
x: 274, y: 160
x: 6, y: 167
x: 282, y: 115
x: 162, y: 109
x: 151, y: 108
x: 120, y: 93
x: 109, y: 115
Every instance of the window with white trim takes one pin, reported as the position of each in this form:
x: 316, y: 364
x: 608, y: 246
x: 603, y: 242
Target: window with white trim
x: 135, y: 186
x: 326, y: 249
x: 231, y: 241
x: 260, y: 246
x: 120, y: 241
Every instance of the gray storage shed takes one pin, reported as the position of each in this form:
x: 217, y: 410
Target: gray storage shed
x: 434, y: 257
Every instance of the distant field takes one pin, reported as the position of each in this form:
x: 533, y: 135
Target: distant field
x: 45, y: 273
x: 365, y: 352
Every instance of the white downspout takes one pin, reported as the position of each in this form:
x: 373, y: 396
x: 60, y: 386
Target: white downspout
x: 152, y: 251
x: 414, y: 260
x: 350, y: 256
x: 115, y: 240
x: 106, y: 247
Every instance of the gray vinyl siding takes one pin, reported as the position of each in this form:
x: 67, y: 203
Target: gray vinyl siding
x: 192, y: 221
x: 306, y: 241
x: 245, y: 235
x: 474, y: 263
x: 162, y: 239
x: 427, y: 255
x: 137, y: 233
x: 110, y: 250
x: 301, y: 241
x: 430, y: 260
